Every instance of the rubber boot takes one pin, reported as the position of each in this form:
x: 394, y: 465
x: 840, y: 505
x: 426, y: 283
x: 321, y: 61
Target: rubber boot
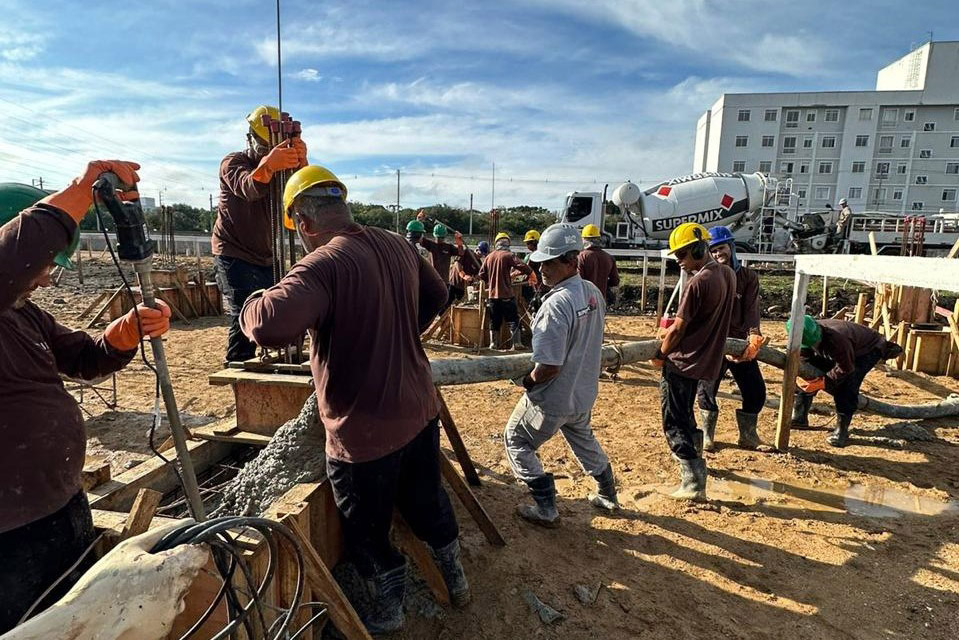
x: 448, y: 560
x: 709, y: 428
x: 544, y: 512
x: 605, y: 496
x: 492, y: 340
x: 801, y: 407
x: 516, y: 335
x: 388, y: 589
x: 699, y: 439
x: 748, y: 437
x: 692, y: 483
x: 840, y: 435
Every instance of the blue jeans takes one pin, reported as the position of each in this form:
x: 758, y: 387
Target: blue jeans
x: 237, y: 279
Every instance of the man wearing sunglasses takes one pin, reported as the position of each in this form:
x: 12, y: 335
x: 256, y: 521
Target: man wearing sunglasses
x: 692, y: 350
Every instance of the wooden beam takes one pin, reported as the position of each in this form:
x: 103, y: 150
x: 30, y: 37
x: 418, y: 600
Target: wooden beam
x: 660, y: 294
x: 89, y: 308
x: 141, y: 515
x: 103, y: 309
x: 932, y: 273
x: 642, y: 290
x: 800, y: 288
x: 95, y: 472
x: 825, y: 297
x: 472, y: 504
x: 456, y: 441
x: 954, y: 251
x: 408, y: 543
x: 860, y: 313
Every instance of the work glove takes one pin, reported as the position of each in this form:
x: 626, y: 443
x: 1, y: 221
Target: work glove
x: 123, y: 334
x: 533, y: 280
x: 300, y: 147
x: 281, y: 157
x: 129, y: 593
x: 811, y: 386
x: 75, y: 199
x: 753, y: 344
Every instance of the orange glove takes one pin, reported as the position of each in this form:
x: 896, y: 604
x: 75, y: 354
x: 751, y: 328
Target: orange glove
x: 123, y: 334
x: 300, y: 147
x: 76, y: 198
x: 811, y: 386
x: 533, y: 280
x: 282, y: 156
x: 753, y: 344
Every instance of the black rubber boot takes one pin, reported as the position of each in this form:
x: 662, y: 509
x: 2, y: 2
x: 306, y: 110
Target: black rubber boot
x: 801, y: 410
x: 748, y: 437
x: 448, y: 560
x: 692, y: 483
x: 709, y: 429
x: 840, y: 435
x: 544, y: 512
x: 388, y: 589
x: 516, y: 335
x: 492, y: 339
x: 605, y: 496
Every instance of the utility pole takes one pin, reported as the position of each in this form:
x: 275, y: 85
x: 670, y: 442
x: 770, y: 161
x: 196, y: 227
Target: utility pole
x: 397, y: 201
x: 492, y: 199
x: 35, y: 182
x: 471, y: 214
x: 209, y: 222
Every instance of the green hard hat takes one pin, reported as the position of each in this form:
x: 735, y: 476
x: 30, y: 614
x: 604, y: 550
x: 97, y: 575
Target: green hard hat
x: 15, y: 197
x: 811, y: 331
x: 439, y: 230
x: 415, y: 226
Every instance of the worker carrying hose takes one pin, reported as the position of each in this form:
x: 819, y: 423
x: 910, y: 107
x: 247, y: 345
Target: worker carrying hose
x: 242, y: 235
x: 563, y: 385
x: 497, y: 272
x: 744, y: 325
x: 441, y: 253
x: 846, y: 351
x: 365, y: 295
x: 692, y: 350
x: 597, y: 266
x: 45, y: 521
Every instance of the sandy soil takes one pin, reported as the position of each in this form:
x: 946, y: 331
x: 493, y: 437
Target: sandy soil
x: 859, y: 543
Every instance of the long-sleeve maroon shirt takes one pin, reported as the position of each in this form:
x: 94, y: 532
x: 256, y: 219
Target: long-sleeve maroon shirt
x: 42, y: 439
x: 242, y: 228
x: 365, y: 297
x: 497, y: 273
x: 441, y: 253
x: 745, y: 318
x: 598, y: 267
x: 842, y: 342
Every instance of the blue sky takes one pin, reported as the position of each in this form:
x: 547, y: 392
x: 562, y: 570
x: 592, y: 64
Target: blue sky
x: 560, y: 94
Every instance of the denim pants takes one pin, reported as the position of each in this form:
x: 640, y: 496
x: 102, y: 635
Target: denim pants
x: 237, y: 279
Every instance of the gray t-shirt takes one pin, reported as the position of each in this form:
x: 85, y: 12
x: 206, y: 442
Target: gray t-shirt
x: 568, y: 332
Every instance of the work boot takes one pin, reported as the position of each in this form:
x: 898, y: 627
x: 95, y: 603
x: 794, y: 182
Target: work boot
x: 492, y: 339
x: 448, y: 560
x: 605, y: 496
x: 748, y: 438
x: 840, y: 435
x: 388, y: 589
x: 516, y: 335
x: 709, y: 428
x: 544, y: 512
x: 692, y: 483
x: 801, y: 410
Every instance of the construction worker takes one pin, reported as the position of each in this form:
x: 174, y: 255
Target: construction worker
x: 365, y: 295
x: 597, y: 266
x: 242, y: 246
x: 497, y: 272
x: 533, y: 291
x: 463, y: 273
x: 692, y: 350
x: 744, y: 325
x: 564, y: 383
x: 442, y: 252
x: 842, y: 224
x: 45, y: 521
x: 846, y: 351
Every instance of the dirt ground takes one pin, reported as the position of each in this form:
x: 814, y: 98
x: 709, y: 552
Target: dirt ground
x: 861, y: 542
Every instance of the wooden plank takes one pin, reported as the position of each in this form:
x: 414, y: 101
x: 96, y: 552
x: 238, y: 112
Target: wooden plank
x: 89, y: 308
x: 472, y: 504
x: 141, y: 514
x: 95, y: 472
x: 416, y: 549
x: 231, y: 376
x: 102, y: 310
x: 825, y: 297
x: 954, y: 251
x: 932, y: 273
x: 185, y: 295
x: 456, y: 441
x: 902, y: 335
x: 787, y: 399
x: 236, y: 436
x: 263, y: 408
x: 662, y: 290
x: 860, y: 313
x: 287, y: 569
x: 642, y: 291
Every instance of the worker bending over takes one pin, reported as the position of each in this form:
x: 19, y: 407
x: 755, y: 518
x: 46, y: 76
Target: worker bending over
x: 497, y: 272
x: 441, y: 253
x: 45, y: 521
x: 463, y: 273
x: 365, y: 295
x: 597, y: 266
x: 744, y: 324
x: 692, y: 350
x: 561, y: 389
x: 242, y: 246
x: 846, y: 351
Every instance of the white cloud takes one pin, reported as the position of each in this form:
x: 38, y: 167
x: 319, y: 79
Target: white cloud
x: 309, y: 75
x: 18, y: 46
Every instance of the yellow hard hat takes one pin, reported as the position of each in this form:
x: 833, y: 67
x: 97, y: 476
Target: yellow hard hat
x: 687, y: 234
x: 306, y: 178
x: 502, y: 235
x: 591, y: 231
x: 256, y: 120
x: 531, y: 236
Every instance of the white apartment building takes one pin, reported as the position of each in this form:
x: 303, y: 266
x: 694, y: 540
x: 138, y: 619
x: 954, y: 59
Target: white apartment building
x: 895, y: 149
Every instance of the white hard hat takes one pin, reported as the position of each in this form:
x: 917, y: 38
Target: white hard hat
x: 558, y: 239
x: 842, y: 201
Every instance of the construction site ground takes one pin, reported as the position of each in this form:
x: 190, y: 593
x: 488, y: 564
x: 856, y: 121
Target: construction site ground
x: 861, y: 542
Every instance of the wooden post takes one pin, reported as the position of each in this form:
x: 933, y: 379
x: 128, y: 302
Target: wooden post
x: 79, y: 264
x: 482, y: 316
x: 825, y: 297
x: 466, y: 496
x: 901, y: 337
x: 642, y: 290
x: 456, y: 441
x: 860, y: 315
x: 800, y: 287
x: 662, y: 289
x: 954, y: 251
x: 408, y: 543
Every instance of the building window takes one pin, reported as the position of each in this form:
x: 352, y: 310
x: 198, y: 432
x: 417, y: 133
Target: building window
x: 765, y: 166
x: 922, y: 179
x: 769, y: 141
x: 882, y: 168
x: 879, y: 195
x: 862, y: 141
x: 742, y: 141
x: 789, y: 144
x: 909, y: 115
x: 855, y: 192
x: 822, y: 193
x: 885, y: 144
x: 810, y: 116
x: 771, y: 115
x: 744, y: 115
x: 786, y: 167
x: 954, y: 142
x: 901, y: 168
x: 832, y: 115
x: 825, y: 167
x: 804, y: 167
x: 890, y: 116
x: 917, y: 206
x: 865, y: 114
x: 925, y: 153
x: 807, y: 142
x: 952, y: 168
x: 897, y: 194
x: 928, y: 126
x: 739, y: 166
x: 955, y: 114
x: 905, y: 142
x: 948, y: 195
x: 858, y: 167
x: 792, y: 118
x: 801, y: 194
x: 828, y: 142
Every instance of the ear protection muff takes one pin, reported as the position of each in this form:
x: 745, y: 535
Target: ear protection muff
x: 698, y: 251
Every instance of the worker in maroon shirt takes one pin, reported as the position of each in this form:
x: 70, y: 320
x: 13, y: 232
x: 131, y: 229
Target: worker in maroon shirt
x: 442, y: 252
x: 497, y: 272
x: 693, y: 350
x: 365, y: 295
x: 597, y: 266
x: 242, y: 235
x: 45, y: 521
x: 846, y: 351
